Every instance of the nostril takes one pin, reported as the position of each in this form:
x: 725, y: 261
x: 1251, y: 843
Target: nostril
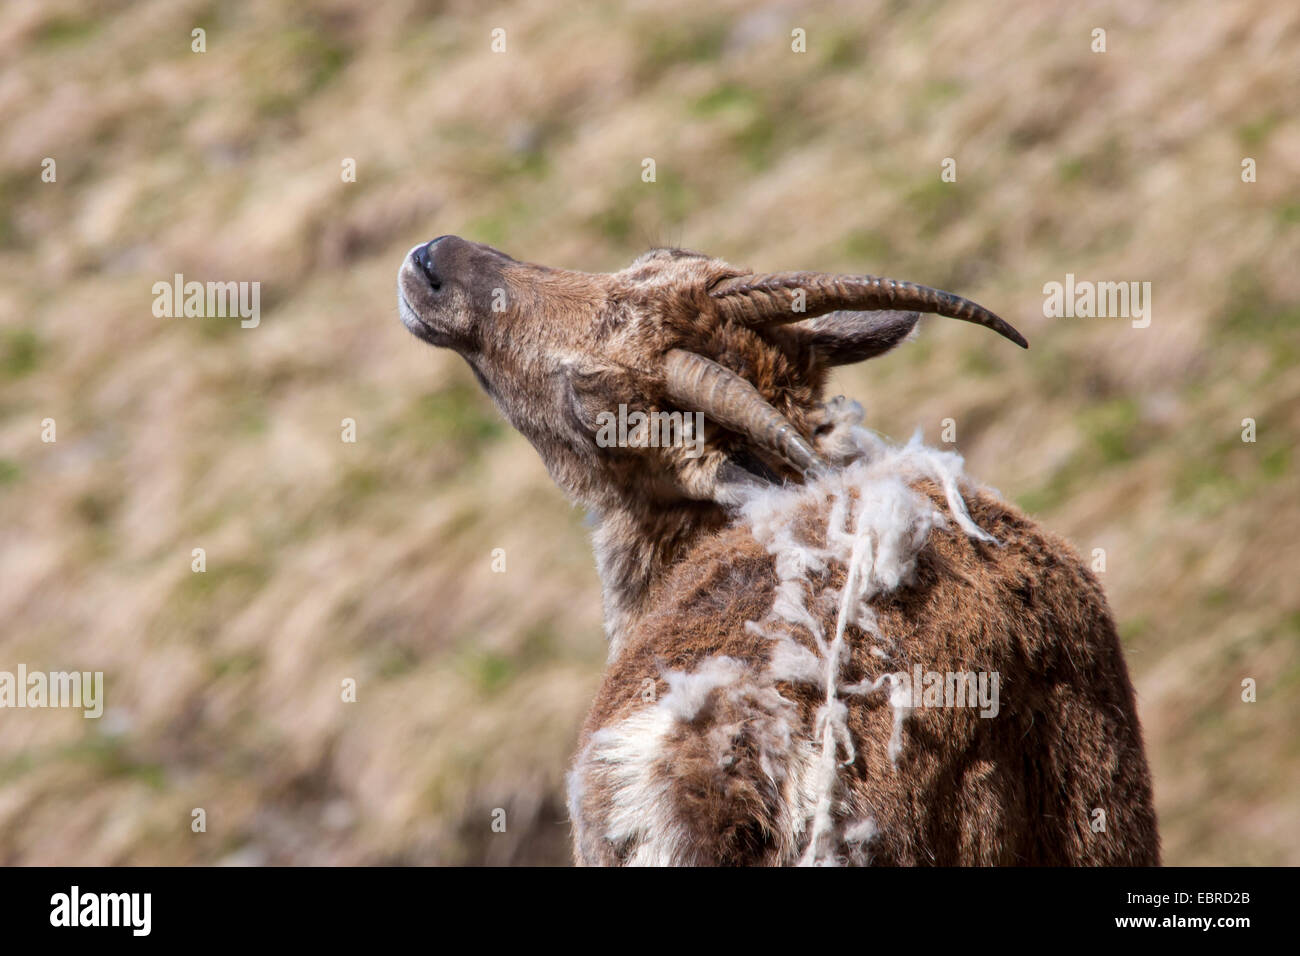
x: 425, y: 262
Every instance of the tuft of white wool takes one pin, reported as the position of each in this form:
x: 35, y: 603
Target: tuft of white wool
x: 628, y: 764
x: 857, y: 836
x: 875, y: 526
x: 623, y: 761
x: 688, y: 692
x: 868, y: 520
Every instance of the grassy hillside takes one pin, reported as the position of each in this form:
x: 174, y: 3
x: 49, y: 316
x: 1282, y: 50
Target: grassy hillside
x: 372, y: 561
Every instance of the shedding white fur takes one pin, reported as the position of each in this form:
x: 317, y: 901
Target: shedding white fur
x: 870, y: 521
x: 630, y: 763
x: 876, y: 524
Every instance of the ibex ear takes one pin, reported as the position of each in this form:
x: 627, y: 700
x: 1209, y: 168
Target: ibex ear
x: 725, y: 477
x: 743, y: 469
x: 842, y: 338
x: 582, y: 398
x: 590, y: 393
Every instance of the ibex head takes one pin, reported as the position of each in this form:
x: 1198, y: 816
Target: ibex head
x: 675, y: 331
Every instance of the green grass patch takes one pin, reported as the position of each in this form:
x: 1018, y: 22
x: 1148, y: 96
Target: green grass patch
x: 488, y: 671
x: 1105, y: 167
x: 317, y: 55
x: 213, y: 328
x: 1113, y: 430
x: 493, y: 671
x: 235, y: 665
x: 756, y: 122
x: 1052, y: 493
x: 1134, y: 629
x: 1255, y: 132
x: 61, y: 31
x: 1254, y: 312
x: 1209, y: 479
x: 675, y: 200
x: 981, y: 363
x: 1202, y: 484
x: 493, y: 229
x: 111, y: 758
x: 21, y: 352
x: 1069, y: 169
x: 1275, y: 463
x: 868, y: 246
x: 841, y: 51
x: 459, y: 416
x: 1113, y: 435
x: 306, y: 59
x: 359, y: 490
x: 726, y: 98
x: 16, y: 766
x: 397, y: 660
x: 616, y: 221
x: 639, y: 211
x: 362, y: 482
x: 228, y: 580
x: 463, y: 521
x: 934, y: 205
x: 672, y: 42
x: 250, y: 414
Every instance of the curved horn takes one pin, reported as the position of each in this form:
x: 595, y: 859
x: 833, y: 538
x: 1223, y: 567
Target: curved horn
x: 765, y: 299
x: 698, y: 384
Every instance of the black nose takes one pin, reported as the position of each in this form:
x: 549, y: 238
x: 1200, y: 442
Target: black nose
x: 424, y: 259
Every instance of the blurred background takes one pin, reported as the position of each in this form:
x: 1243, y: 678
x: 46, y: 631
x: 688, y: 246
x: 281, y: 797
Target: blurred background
x: 372, y: 561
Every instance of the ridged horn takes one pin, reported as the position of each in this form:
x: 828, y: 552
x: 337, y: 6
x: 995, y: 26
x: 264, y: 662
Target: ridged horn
x: 771, y: 298
x: 701, y: 385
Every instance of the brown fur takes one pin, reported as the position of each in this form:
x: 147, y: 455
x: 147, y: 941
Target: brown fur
x: 681, y: 580
x: 1019, y: 789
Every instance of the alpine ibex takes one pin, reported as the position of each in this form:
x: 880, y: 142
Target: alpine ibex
x: 823, y: 648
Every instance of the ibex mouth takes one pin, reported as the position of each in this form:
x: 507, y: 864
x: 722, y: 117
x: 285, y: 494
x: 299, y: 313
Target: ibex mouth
x: 414, y: 324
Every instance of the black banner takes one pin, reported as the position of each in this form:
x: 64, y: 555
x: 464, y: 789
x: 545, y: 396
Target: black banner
x: 928, y: 907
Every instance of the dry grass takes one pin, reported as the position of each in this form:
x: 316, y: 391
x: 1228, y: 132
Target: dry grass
x: 372, y: 560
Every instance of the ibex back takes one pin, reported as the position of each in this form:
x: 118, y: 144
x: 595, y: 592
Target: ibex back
x: 823, y: 648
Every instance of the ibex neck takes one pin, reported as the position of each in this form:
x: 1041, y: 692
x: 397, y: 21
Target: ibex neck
x: 635, y: 548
